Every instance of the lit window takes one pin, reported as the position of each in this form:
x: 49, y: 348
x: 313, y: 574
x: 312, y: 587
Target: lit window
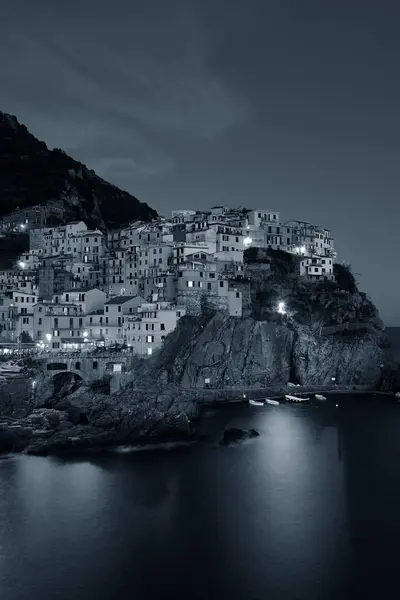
x: 190, y: 283
x: 149, y: 351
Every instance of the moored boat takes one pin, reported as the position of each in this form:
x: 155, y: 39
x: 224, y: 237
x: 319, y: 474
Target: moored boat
x: 256, y: 403
x: 10, y: 368
x: 320, y: 397
x: 291, y: 398
x: 274, y: 402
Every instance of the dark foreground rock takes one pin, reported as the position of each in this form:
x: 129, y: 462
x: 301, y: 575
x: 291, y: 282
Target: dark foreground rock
x: 87, y: 419
x: 237, y: 436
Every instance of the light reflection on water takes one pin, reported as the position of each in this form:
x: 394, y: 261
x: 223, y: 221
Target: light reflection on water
x: 272, y: 518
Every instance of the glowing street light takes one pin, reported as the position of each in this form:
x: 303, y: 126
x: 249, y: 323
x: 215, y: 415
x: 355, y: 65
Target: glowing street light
x: 48, y: 337
x: 22, y: 265
x: 85, y: 334
x: 302, y: 249
x: 281, y: 308
x: 247, y: 241
x: 22, y: 226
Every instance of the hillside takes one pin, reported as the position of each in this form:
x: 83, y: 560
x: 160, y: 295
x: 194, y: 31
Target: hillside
x: 31, y: 174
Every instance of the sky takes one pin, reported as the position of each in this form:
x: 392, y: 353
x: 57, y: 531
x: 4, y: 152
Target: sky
x: 284, y: 105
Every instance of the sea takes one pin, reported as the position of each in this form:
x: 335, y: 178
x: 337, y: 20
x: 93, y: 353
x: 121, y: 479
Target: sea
x: 309, y: 509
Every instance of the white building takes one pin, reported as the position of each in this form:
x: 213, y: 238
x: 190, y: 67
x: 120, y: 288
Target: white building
x: 114, y: 311
x: 58, y: 326
x: 259, y: 217
x: 316, y: 268
x: 146, y: 331
x: 87, y: 300
x: 182, y: 250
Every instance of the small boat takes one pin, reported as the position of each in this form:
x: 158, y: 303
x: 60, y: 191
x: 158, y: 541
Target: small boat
x: 291, y: 398
x: 397, y: 394
x: 320, y: 397
x: 274, y: 402
x: 10, y: 368
x: 256, y: 403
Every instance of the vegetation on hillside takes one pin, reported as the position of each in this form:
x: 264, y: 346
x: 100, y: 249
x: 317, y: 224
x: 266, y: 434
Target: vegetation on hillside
x: 31, y: 174
x: 318, y: 304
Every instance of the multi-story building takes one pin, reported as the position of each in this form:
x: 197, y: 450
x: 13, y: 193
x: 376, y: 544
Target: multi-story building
x: 200, y: 282
x: 306, y: 239
x: 146, y: 330
x: 114, y: 311
x: 316, y: 267
x: 8, y: 318
x: 58, y: 326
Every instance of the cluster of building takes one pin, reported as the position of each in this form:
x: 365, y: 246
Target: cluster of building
x: 78, y: 288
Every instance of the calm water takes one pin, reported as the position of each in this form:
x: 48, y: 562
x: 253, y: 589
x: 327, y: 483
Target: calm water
x: 311, y: 509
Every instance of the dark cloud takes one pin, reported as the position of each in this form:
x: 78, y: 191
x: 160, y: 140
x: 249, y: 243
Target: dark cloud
x: 282, y: 104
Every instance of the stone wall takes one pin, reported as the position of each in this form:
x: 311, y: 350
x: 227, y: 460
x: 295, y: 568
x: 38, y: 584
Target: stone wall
x: 193, y: 300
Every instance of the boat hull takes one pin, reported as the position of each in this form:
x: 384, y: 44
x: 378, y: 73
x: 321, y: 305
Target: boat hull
x: 291, y: 398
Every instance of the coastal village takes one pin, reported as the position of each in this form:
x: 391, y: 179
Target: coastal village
x: 77, y: 289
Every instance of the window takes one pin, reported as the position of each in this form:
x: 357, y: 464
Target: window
x: 149, y: 339
x: 119, y: 309
x: 106, y: 308
x: 189, y: 284
x: 77, y: 365
x: 237, y: 295
x: 221, y: 284
x: 95, y: 364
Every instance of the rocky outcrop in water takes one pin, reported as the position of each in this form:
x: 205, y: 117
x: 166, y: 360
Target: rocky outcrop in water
x: 86, y: 418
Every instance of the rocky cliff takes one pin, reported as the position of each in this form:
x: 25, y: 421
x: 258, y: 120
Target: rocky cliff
x: 31, y: 174
x: 330, y: 330
x: 228, y: 351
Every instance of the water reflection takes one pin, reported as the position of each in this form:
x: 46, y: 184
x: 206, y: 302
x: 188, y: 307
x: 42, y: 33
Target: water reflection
x: 295, y: 513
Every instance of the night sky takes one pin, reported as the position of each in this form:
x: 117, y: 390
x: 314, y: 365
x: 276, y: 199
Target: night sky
x: 285, y: 105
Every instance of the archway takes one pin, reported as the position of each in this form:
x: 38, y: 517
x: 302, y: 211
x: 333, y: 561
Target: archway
x: 65, y: 383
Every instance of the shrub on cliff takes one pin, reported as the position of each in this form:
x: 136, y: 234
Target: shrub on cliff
x: 345, y: 278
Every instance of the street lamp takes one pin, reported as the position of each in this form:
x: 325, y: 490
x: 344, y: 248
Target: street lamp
x: 281, y: 308
x: 48, y: 337
x: 22, y: 265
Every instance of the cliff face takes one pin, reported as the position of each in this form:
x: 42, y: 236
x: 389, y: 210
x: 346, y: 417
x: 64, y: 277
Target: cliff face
x: 31, y: 174
x: 330, y: 332
x: 244, y: 352
x: 228, y: 351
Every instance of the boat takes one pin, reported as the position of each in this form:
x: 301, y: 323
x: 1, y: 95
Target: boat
x: 10, y: 368
x: 274, y: 402
x: 397, y: 395
x: 291, y: 398
x: 320, y: 397
x: 256, y: 403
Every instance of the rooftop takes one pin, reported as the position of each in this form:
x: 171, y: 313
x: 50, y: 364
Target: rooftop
x: 121, y: 299
x: 80, y: 290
